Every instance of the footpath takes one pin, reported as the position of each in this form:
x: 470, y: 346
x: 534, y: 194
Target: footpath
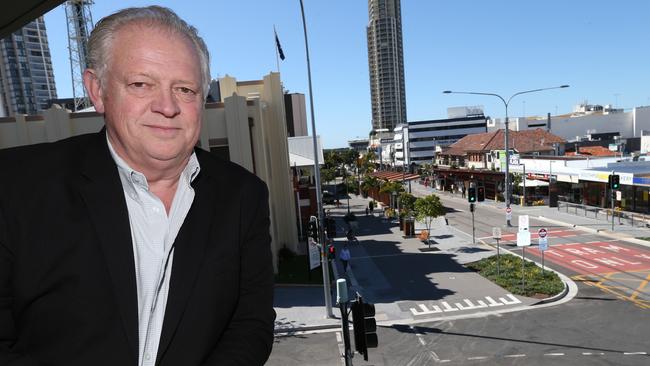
x: 407, y: 283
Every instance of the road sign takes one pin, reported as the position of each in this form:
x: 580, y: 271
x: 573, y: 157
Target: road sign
x: 514, y: 159
x: 619, y: 195
x: 523, y: 223
x: 508, y: 213
x: 508, y: 210
x: 496, y: 233
x: 314, y: 254
x: 543, y: 244
x: 523, y: 239
x: 542, y: 233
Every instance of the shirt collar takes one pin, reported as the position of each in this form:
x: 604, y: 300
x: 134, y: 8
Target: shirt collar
x: 132, y: 178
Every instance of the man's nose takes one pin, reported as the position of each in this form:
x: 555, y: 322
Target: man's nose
x: 165, y: 103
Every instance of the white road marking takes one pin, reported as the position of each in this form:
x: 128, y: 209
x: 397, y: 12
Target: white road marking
x: 593, y: 242
x: 512, y: 356
x: 444, y: 361
x: 466, y: 304
x: 553, y: 354
x: 447, y: 307
x: 338, y: 337
x: 476, y: 358
x: 592, y: 354
x: 435, y: 356
x: 635, y: 353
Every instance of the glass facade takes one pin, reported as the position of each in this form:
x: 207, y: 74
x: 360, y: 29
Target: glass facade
x: 26, y: 75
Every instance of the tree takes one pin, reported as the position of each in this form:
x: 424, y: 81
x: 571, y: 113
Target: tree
x: 407, y: 202
x: 327, y: 174
x: 428, y: 208
x: 369, y: 183
x: 349, y: 157
x: 391, y: 187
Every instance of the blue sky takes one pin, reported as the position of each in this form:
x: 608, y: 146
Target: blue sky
x: 598, y: 47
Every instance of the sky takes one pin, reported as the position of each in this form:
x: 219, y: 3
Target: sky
x: 600, y: 48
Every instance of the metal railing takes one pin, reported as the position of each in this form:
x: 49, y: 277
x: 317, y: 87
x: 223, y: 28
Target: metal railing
x: 620, y: 217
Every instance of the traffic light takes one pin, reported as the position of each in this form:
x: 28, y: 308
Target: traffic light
x: 471, y: 194
x: 614, y: 181
x: 313, y: 230
x: 365, y: 326
x: 331, y: 251
x: 481, y: 194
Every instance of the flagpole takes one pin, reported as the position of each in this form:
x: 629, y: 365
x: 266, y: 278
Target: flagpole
x: 277, y: 53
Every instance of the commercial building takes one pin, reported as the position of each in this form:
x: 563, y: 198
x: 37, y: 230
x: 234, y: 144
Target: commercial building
x: 586, y: 122
x: 26, y: 76
x: 386, y: 64
x: 425, y: 139
x: 294, y: 105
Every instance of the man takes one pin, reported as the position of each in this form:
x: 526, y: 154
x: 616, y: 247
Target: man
x: 131, y: 246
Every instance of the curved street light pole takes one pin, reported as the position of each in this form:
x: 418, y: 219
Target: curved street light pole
x: 506, y: 192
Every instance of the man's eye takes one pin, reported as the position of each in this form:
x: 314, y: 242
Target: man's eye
x: 184, y: 90
x: 138, y: 84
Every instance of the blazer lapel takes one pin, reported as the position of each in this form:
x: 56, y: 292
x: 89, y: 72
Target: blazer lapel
x: 189, y: 250
x: 103, y: 194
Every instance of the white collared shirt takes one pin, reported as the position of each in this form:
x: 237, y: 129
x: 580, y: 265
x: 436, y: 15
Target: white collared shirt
x: 153, y: 233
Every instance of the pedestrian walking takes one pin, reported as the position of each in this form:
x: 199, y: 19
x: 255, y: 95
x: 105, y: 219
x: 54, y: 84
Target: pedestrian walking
x: 344, y: 256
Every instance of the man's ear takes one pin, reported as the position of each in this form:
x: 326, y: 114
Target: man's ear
x: 94, y: 89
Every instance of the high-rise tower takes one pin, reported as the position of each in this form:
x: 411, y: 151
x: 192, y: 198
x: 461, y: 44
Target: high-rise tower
x: 386, y: 64
x: 26, y: 76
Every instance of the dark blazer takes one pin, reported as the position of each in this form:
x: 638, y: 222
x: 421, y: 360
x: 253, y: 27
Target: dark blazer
x: 67, y: 273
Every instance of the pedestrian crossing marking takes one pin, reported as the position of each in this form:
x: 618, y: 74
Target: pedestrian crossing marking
x: 465, y: 304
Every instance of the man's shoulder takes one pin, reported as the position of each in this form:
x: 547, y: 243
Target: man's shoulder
x: 44, y: 158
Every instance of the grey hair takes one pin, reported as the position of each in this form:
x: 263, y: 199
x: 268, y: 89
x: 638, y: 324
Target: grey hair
x: 101, y: 38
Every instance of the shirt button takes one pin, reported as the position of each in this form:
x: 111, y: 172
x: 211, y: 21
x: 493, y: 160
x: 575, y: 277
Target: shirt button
x: 134, y: 196
x: 156, y: 209
x: 147, y: 356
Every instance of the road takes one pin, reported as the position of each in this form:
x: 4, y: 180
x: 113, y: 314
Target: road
x: 605, y: 324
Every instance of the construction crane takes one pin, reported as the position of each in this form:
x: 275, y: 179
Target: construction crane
x: 80, y: 23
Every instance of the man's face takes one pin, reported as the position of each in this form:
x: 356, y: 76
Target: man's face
x: 151, y: 96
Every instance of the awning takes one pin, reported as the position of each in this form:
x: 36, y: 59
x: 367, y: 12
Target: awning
x: 534, y: 183
x: 394, y: 176
x: 15, y: 14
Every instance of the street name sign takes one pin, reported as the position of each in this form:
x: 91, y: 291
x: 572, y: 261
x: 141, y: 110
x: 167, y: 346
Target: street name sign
x: 523, y: 223
x: 523, y: 239
x: 496, y: 233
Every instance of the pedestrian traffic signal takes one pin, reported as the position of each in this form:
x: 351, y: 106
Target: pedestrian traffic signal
x: 365, y: 326
x: 471, y: 194
x: 331, y: 251
x: 481, y: 194
x: 313, y: 230
x: 614, y: 181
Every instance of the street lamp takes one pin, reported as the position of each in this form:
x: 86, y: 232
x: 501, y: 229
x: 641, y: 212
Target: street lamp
x: 507, y: 149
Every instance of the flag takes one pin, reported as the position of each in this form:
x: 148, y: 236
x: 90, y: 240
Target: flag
x: 277, y: 44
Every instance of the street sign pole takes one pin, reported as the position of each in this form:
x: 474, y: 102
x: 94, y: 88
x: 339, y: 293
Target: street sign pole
x: 613, y: 198
x: 543, y: 272
x: 496, y: 234
x: 498, y: 260
x: 523, y: 270
x: 471, y: 208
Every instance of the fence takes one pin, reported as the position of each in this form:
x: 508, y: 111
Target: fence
x: 633, y: 219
